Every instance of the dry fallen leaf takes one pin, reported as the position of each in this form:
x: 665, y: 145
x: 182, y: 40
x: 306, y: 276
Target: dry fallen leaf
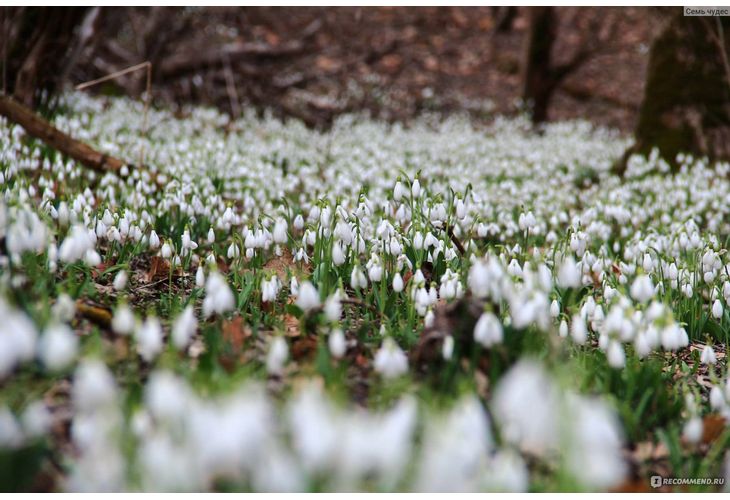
x: 235, y: 332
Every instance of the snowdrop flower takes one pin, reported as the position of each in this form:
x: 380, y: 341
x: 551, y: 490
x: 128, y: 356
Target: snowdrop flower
x: 154, y: 240
x: 717, y: 309
x: 280, y: 235
x: 57, y: 347
x: 708, y: 356
x: 218, y: 296
x: 616, y: 355
x: 416, y: 188
x: 397, y: 283
x: 692, y: 430
x: 336, y: 343
x: 717, y: 399
x: 76, y: 246
x: 149, y: 339
x: 568, y: 274
x: 447, y: 350
x: 211, y: 236
x: 184, y: 328
x: 554, y: 309
x: 120, y: 280
x: 390, y: 360
x: 308, y: 298
x: 563, y: 329
x: 64, y: 309
x: 200, y: 277
x: 642, y: 289
x: 488, y: 330
x: 36, y: 420
x: 333, y: 307
x: 578, y: 330
x: 277, y: 356
x: 398, y: 191
x: 11, y: 435
x: 357, y: 278
x: 338, y: 256
x: 123, y: 321
x: 166, y: 251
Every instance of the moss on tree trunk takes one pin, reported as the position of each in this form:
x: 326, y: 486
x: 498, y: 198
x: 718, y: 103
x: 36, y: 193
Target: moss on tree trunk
x: 686, y: 105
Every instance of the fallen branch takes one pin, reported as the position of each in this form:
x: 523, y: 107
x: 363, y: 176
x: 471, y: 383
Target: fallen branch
x: 44, y: 131
x: 95, y: 314
x: 185, y: 62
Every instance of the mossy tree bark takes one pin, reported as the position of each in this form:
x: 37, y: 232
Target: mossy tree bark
x: 686, y: 105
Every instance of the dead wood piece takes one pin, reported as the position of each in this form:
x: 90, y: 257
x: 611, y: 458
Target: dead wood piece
x: 182, y: 63
x: 42, y: 130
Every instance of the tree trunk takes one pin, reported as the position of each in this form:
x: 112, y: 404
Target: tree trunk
x: 537, y: 74
x: 686, y: 105
x: 34, y: 45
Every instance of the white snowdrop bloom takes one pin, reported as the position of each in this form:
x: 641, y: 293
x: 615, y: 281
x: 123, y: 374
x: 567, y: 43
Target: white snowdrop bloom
x: 616, y: 355
x: 93, y: 387
x: 277, y: 356
x: 708, y: 356
x: 692, y: 430
x: 17, y: 339
x: 36, y: 420
x: 647, y: 264
x: 357, y: 278
x: 57, y: 347
x: 64, y: 309
x: 454, y: 449
x: 526, y: 407
x: 149, y: 339
x: 416, y: 188
x: 123, y: 321
x: 219, y: 298
x: 298, y: 222
x: 390, y: 360
x: 280, y: 231
x: 336, y: 343
x: 568, y: 274
x: 167, y: 397
x: 479, y: 279
x: 294, y: 286
x: 554, y: 309
x: 397, y: 283
x: 11, y: 434
x: 233, y: 251
x: 642, y: 289
x: 184, y: 328
x: 447, y: 349
x: 578, y: 330
x: 308, y: 298
x: 595, y: 448
x: 211, y: 236
x: 154, y: 240
x: 333, y: 307
x: 717, y: 399
x: 120, y: 280
x: 717, y: 309
x: 642, y: 345
x: 200, y: 277
x: 563, y: 329
x: 429, y: 318
x: 488, y: 330
x: 398, y: 191
x: 338, y: 255
x: 76, y: 246
x: 507, y: 472
x: 166, y: 251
